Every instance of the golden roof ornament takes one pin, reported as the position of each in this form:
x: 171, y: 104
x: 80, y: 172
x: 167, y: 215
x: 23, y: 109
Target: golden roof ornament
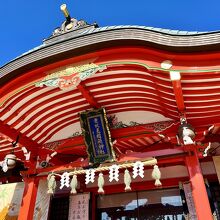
x: 70, y: 24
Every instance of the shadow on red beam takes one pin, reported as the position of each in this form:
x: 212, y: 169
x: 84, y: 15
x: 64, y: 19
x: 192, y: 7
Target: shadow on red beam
x: 172, y: 159
x: 159, y: 153
x: 204, y: 122
x: 211, y: 138
x: 70, y: 166
x: 69, y: 143
x: 138, y: 131
x: 160, y: 146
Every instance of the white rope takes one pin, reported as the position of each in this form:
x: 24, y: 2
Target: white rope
x: 101, y: 168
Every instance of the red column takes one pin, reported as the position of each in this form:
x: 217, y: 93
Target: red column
x: 199, y: 193
x: 29, y: 197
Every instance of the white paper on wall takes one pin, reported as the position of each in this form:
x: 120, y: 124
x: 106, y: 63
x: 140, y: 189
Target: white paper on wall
x: 10, y: 200
x: 189, y: 200
x: 42, y: 202
x: 79, y: 207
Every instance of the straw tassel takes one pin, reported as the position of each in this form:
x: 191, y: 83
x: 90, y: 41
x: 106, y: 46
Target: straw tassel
x: 73, y: 184
x: 156, y: 174
x: 127, y: 180
x: 51, y: 183
x: 101, y: 182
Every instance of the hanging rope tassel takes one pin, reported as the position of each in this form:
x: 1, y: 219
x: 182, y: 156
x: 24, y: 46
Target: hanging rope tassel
x: 51, y: 183
x: 127, y: 180
x: 73, y: 184
x: 156, y: 174
x: 101, y: 182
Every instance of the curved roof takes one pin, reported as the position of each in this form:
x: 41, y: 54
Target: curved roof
x: 128, y: 81
x: 171, y: 40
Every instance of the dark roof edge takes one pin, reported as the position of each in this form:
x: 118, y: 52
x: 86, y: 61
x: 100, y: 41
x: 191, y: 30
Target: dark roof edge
x: 168, y: 32
x: 131, y: 35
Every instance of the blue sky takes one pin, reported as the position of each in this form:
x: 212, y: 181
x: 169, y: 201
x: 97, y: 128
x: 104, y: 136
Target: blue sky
x: 25, y: 23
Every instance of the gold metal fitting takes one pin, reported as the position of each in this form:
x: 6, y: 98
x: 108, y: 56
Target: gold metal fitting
x: 63, y: 8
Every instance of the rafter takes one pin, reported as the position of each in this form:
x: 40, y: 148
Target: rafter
x: 177, y: 88
x: 23, y: 140
x: 87, y: 95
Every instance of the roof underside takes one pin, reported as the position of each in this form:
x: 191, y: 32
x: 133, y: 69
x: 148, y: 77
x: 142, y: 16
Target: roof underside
x: 133, y: 88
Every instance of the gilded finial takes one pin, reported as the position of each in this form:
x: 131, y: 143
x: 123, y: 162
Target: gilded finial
x: 63, y: 8
x: 70, y: 24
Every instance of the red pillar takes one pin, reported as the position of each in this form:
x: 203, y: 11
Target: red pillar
x: 29, y: 197
x: 199, y: 193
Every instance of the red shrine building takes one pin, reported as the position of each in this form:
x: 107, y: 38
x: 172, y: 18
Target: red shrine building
x: 109, y: 123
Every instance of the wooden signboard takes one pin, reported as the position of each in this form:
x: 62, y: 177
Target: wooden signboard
x: 42, y: 202
x: 189, y: 200
x: 97, y: 136
x: 79, y: 207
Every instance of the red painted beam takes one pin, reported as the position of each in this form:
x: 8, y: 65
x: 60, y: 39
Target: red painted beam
x: 143, y: 129
x: 176, y: 155
x: 138, y: 131
x: 177, y: 88
x: 166, y: 153
x: 23, y: 140
x: 212, y: 138
x: 205, y: 122
x: 78, y: 163
x: 72, y: 142
x: 87, y: 95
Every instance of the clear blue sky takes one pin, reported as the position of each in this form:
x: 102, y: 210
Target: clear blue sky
x: 25, y: 23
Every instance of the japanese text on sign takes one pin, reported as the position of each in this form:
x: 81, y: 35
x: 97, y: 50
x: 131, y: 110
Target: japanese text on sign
x: 79, y: 207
